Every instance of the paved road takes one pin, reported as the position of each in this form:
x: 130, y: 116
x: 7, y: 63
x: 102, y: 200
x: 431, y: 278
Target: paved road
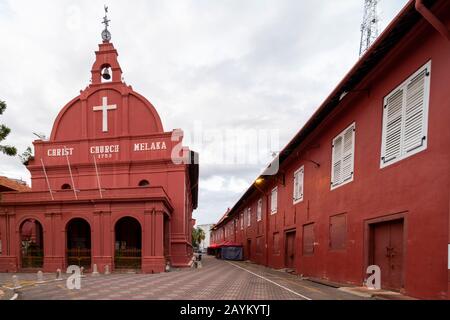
x: 216, y: 280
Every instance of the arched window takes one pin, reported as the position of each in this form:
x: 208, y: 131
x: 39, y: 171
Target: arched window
x: 144, y: 183
x: 66, y: 186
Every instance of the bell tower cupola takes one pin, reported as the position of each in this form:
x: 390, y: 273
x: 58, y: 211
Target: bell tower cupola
x: 106, y: 68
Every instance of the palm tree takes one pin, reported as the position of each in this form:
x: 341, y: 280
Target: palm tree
x: 198, y: 235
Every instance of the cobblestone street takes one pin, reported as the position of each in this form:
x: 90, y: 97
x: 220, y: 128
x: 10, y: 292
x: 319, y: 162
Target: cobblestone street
x: 217, y: 280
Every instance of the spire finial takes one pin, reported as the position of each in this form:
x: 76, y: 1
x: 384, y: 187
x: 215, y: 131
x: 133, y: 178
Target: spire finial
x: 106, y: 35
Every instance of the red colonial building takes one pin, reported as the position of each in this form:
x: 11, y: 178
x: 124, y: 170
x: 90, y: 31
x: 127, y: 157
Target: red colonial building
x: 366, y: 180
x: 109, y: 187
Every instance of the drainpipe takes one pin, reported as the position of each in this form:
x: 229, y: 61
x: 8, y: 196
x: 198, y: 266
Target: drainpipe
x: 432, y: 19
x: 265, y: 196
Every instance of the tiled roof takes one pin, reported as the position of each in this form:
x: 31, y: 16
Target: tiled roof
x: 13, y: 185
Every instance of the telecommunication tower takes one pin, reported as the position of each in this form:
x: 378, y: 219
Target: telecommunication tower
x: 369, y: 25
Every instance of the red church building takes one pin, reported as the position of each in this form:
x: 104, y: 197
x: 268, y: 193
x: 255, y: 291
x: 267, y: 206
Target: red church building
x: 367, y: 179
x: 109, y: 187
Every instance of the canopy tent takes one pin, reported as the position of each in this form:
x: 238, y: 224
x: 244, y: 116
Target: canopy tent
x: 226, y: 250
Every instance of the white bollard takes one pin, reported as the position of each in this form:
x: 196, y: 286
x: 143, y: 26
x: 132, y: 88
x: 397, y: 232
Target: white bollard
x: 58, y: 275
x: 82, y: 272
x: 16, y: 284
x: 107, y: 269
x: 40, y: 277
x: 95, y: 270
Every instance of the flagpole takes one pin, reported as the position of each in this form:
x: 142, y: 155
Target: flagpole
x: 71, y: 176
x: 98, y: 177
x: 46, y: 179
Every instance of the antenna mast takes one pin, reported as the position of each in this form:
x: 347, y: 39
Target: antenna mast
x: 369, y: 25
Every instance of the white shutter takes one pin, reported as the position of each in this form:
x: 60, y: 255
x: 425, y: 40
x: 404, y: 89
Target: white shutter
x: 393, y: 113
x: 259, y: 210
x: 273, y: 201
x: 242, y: 221
x: 295, y: 192
x: 414, y: 113
x: 336, y: 174
x: 298, y: 185
x: 405, y: 117
x: 347, y: 153
x: 343, y: 157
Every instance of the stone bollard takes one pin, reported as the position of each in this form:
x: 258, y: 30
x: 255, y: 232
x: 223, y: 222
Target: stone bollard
x: 58, y: 275
x: 95, y: 270
x: 40, y: 277
x: 107, y: 269
x: 16, y: 284
x: 82, y: 272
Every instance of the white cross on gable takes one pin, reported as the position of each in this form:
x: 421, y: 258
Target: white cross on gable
x: 104, y: 108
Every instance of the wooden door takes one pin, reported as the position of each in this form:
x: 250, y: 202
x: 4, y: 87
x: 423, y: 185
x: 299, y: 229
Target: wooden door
x: 289, y: 256
x: 387, y: 252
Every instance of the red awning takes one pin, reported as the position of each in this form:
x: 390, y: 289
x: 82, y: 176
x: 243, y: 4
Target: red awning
x: 225, y: 244
x: 213, y: 246
x: 230, y: 244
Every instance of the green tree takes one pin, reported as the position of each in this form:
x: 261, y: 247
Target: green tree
x: 4, y: 131
x: 198, y: 235
x: 26, y: 156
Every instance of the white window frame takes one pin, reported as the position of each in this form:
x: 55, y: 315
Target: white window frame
x: 300, y: 183
x: 249, y: 217
x: 333, y: 160
x: 274, y: 205
x: 426, y: 102
x: 242, y: 221
x: 259, y: 210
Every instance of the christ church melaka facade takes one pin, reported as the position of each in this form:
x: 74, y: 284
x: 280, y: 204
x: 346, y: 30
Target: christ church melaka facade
x: 110, y: 186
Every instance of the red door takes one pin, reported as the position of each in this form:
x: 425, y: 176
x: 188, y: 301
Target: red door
x: 387, y: 253
x: 289, y: 257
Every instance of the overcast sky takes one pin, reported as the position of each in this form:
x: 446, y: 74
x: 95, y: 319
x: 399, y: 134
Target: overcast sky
x: 216, y: 65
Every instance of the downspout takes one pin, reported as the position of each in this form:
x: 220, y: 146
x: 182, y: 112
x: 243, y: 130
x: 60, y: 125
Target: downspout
x: 432, y: 19
x: 266, y: 224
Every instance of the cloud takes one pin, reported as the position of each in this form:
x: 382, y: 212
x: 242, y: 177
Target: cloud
x: 255, y: 64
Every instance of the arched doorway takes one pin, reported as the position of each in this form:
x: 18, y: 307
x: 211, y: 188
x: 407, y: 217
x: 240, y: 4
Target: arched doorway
x: 79, y: 243
x: 31, y: 244
x: 128, y: 244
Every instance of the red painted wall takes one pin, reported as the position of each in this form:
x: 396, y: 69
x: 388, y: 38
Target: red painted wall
x: 416, y: 188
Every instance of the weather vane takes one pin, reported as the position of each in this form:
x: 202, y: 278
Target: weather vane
x: 106, y: 35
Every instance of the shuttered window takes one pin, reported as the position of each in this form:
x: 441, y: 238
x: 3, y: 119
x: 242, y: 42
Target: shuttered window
x: 342, y: 163
x: 338, y: 232
x: 276, y: 243
x: 274, y: 200
x: 298, y: 185
x: 405, y: 118
x: 259, y: 210
x: 308, y: 239
x: 259, y: 245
